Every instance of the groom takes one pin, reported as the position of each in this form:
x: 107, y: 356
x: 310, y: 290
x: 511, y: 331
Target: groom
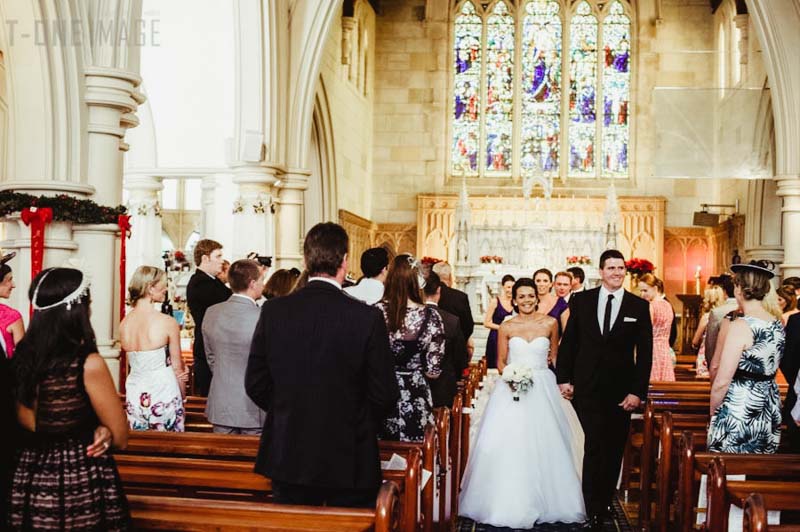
x: 604, y: 367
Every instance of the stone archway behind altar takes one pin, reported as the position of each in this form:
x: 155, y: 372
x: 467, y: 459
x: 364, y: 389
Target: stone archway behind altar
x: 532, y: 234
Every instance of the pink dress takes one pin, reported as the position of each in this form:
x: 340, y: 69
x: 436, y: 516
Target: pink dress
x: 8, y: 316
x: 661, y: 316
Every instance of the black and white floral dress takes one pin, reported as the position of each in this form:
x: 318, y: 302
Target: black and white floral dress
x: 749, y: 418
x: 418, y: 348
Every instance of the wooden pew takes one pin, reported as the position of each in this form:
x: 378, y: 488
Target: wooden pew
x: 175, y: 513
x: 694, y: 462
x: 198, y: 465
x: 755, y: 517
x: 456, y: 425
x: 722, y: 493
x: 653, y: 412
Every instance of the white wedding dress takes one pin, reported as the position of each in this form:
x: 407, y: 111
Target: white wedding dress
x: 524, y: 466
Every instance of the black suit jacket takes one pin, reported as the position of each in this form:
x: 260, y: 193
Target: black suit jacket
x: 202, y: 292
x: 321, y: 368
x: 8, y: 420
x: 456, y: 302
x: 456, y: 358
x: 605, y: 369
x: 790, y: 363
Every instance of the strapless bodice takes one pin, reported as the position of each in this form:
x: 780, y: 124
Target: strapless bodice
x: 152, y: 360
x: 532, y: 354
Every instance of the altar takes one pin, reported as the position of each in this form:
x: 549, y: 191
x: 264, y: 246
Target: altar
x: 484, y: 238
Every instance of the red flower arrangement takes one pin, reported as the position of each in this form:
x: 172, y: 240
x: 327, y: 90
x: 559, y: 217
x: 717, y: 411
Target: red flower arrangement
x: 430, y: 260
x: 639, y: 266
x: 488, y: 259
x: 578, y: 259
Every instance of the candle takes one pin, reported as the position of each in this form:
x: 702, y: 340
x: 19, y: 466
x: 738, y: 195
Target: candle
x: 697, y: 280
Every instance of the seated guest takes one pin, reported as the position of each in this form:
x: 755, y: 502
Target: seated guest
x: 156, y: 385
x: 321, y: 368
x: 281, y: 283
x: 745, y: 403
x: 65, y: 399
x: 227, y: 334
x: 454, y: 301
x: 790, y: 364
x: 11, y: 326
x: 787, y: 302
x: 374, y: 266
x: 456, y: 357
x: 416, y: 337
x: 661, y: 316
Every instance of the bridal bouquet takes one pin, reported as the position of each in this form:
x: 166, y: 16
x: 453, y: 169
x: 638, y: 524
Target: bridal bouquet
x: 519, y: 379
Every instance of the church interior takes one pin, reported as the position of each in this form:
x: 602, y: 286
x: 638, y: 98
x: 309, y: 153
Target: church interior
x: 501, y: 136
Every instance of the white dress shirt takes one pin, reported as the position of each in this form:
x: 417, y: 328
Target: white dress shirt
x: 616, y: 303
x: 368, y: 290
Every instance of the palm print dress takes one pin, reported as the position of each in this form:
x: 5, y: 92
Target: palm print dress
x: 418, y: 347
x: 749, y: 418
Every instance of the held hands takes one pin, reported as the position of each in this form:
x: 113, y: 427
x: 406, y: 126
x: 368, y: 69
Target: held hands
x: 101, y: 443
x: 567, y: 390
x: 630, y: 403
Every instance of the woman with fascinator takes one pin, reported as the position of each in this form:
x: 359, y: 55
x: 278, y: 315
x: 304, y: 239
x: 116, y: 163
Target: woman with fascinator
x: 416, y: 338
x: 745, y: 403
x: 11, y: 327
x: 70, y: 416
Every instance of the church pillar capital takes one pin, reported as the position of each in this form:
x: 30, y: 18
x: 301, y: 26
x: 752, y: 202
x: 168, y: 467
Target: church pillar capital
x: 144, y: 244
x: 253, y: 209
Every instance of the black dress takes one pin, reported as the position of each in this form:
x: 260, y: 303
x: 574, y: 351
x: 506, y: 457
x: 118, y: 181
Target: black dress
x: 55, y: 485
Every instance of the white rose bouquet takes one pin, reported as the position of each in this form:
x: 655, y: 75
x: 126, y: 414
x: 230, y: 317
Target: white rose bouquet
x: 519, y: 379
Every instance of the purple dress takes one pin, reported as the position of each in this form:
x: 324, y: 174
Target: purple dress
x: 556, y: 312
x: 499, y: 315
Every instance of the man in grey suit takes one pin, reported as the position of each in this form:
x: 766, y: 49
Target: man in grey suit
x: 227, y: 333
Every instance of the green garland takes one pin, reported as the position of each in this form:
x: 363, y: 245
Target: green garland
x: 65, y: 208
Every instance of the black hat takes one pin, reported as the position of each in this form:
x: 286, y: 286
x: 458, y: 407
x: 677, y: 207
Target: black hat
x: 764, y: 267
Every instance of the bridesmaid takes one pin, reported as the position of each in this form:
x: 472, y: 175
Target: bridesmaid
x: 11, y: 328
x: 543, y: 279
x: 651, y: 289
x: 499, y: 308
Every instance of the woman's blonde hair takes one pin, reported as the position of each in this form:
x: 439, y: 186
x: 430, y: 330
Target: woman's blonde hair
x: 651, y: 280
x: 770, y: 302
x: 144, y: 278
x: 713, y: 297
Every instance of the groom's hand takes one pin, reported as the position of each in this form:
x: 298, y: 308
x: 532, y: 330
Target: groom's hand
x: 566, y: 390
x: 630, y: 403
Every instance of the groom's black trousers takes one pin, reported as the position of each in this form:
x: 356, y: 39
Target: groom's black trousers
x: 605, y: 427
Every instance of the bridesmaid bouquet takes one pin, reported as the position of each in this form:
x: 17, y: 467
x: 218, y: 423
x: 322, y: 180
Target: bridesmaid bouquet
x: 519, y: 379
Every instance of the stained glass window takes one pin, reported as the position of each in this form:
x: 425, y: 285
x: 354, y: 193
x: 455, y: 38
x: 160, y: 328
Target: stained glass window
x: 499, y: 90
x: 582, y: 91
x: 467, y: 82
x: 616, y: 91
x: 541, y: 88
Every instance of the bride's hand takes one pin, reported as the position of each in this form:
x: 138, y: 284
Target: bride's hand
x: 566, y: 390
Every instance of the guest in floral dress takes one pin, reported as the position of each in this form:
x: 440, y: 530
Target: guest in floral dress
x: 745, y: 403
x: 11, y: 327
x: 651, y: 289
x: 416, y: 338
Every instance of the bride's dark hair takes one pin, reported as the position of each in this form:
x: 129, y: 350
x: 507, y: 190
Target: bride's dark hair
x: 524, y: 281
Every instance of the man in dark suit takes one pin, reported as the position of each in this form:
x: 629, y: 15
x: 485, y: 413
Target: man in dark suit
x: 454, y: 301
x: 321, y: 368
x: 204, y: 290
x: 598, y: 370
x: 456, y: 356
x: 790, y: 365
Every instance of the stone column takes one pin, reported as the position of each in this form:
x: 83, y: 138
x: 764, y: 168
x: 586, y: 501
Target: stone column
x: 763, y: 222
x: 290, y: 218
x: 144, y: 245
x: 97, y: 250
x: 789, y: 190
x: 253, y: 211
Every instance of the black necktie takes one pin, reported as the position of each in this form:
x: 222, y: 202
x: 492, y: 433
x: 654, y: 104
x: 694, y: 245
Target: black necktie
x: 607, y: 316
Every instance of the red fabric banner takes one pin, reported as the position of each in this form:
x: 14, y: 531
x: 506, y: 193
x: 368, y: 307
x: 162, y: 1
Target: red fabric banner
x: 124, y: 222
x: 37, y: 219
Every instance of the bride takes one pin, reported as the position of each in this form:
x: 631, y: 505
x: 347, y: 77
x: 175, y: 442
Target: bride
x: 524, y: 467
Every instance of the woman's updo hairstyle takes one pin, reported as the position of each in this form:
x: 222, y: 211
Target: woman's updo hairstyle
x: 753, y: 278
x: 523, y: 281
x: 144, y: 278
x: 507, y: 278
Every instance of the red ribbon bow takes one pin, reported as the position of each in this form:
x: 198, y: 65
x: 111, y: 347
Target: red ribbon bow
x: 36, y: 218
x: 124, y: 223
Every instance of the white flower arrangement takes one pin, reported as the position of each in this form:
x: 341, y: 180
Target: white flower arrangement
x: 519, y: 379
